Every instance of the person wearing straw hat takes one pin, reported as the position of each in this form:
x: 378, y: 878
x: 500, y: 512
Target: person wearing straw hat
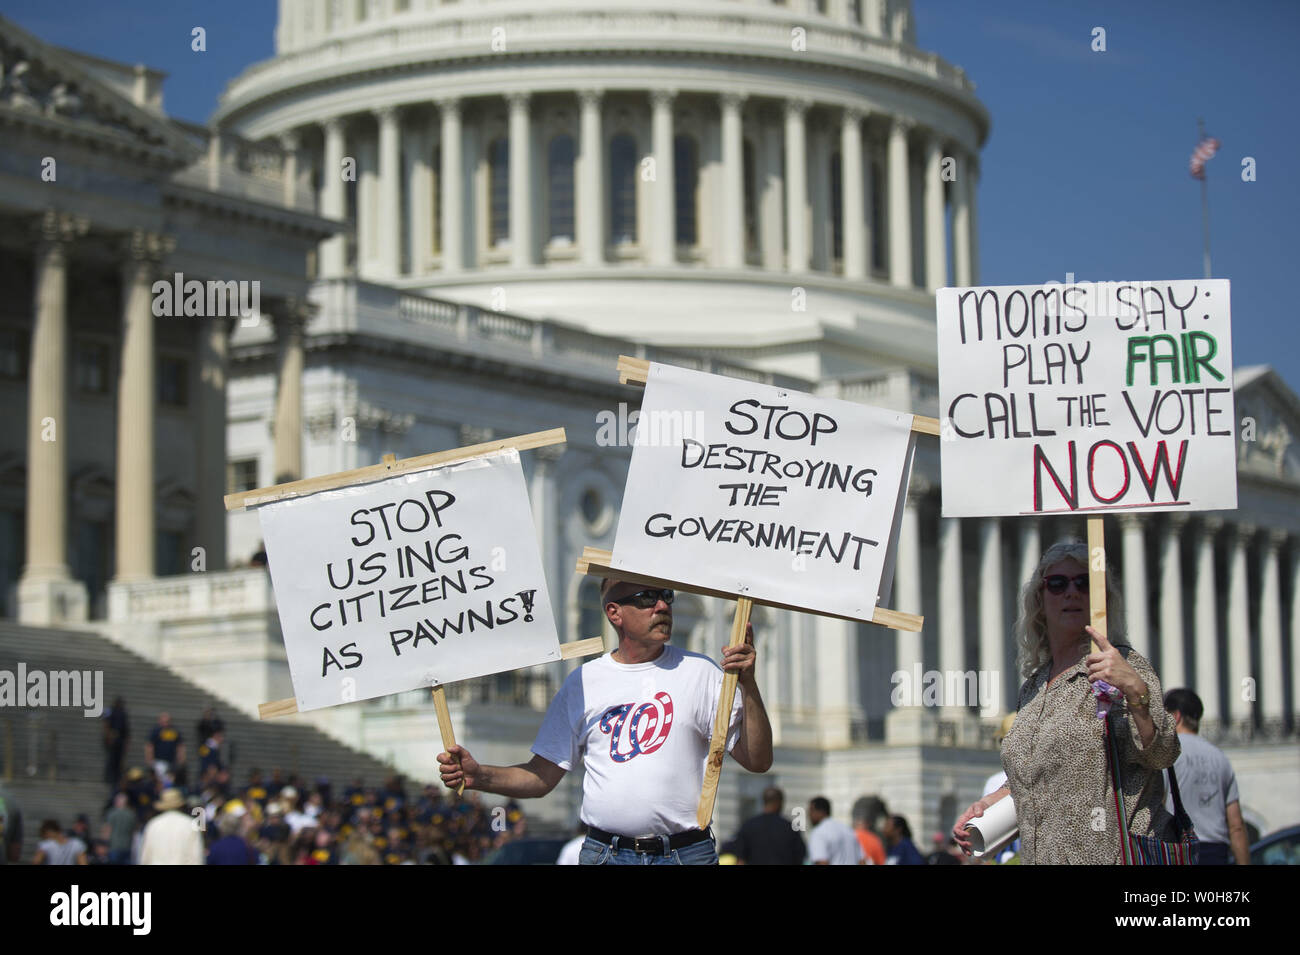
x: 172, y: 837
x: 1055, y: 754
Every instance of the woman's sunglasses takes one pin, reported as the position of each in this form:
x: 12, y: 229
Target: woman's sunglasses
x: 1059, y: 583
x: 645, y: 599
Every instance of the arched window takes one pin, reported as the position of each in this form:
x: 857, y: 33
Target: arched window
x: 837, y: 207
x: 622, y: 189
x: 750, y: 177
x: 559, y: 188
x: 686, y: 172
x: 498, y: 192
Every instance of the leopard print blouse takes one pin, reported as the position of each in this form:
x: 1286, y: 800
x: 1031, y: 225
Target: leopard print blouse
x: 1055, y: 758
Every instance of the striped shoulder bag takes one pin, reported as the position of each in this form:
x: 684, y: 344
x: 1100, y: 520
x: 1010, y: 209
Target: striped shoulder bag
x: 1151, y: 850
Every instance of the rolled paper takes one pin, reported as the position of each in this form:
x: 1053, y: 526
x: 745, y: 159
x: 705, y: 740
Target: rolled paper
x: 993, y: 829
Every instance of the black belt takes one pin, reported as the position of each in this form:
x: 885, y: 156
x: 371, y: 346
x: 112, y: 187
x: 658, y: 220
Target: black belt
x: 651, y: 844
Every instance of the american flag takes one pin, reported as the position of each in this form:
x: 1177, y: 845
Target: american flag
x: 1202, y: 154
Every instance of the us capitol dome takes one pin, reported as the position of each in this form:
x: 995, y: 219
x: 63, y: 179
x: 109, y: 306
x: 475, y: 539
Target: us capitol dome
x: 668, y: 171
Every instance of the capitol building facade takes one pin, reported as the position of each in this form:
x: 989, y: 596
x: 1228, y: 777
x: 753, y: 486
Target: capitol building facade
x: 492, y: 200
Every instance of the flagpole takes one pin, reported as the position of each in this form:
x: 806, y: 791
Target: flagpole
x: 1205, y: 199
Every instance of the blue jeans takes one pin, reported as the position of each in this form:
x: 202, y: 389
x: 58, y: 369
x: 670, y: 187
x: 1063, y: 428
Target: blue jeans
x: 597, y: 853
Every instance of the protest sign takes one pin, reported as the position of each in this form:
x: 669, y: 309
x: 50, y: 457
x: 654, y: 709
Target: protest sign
x: 1090, y: 397
x: 418, y: 580
x: 751, y: 490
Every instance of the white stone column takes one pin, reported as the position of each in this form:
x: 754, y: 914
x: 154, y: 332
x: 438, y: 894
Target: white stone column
x: 417, y: 159
x: 900, y: 205
x: 733, y: 183
x: 591, y: 207
x: 1207, y: 629
x: 333, y: 200
x: 913, y: 725
x: 1272, y: 702
x: 992, y: 623
x: 1031, y: 552
x: 543, y: 496
x: 663, y: 240
x: 369, y: 221
x: 1239, y: 709
x: 771, y: 202
x: 210, y: 411
x: 796, y: 186
x: 853, y: 214
x: 390, y: 192
x: 963, y: 228
x: 936, y: 248
x: 290, y: 320
x: 451, y: 186
x: 819, y: 197
x: 1173, y: 667
x: 952, y: 623
x: 290, y: 142
x: 521, y: 171
x: 1135, y: 579
x: 47, y: 594
x: 136, y: 546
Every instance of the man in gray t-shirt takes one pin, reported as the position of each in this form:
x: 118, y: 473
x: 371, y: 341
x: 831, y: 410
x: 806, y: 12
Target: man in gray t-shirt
x: 1207, y: 785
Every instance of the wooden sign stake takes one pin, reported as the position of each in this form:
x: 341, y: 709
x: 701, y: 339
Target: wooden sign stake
x: 722, y: 719
x: 1097, y: 578
x: 444, y: 727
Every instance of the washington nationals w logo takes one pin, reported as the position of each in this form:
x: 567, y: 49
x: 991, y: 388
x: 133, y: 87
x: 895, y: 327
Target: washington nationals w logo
x: 643, y: 732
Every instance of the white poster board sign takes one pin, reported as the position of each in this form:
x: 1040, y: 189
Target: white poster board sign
x: 756, y: 491
x: 422, y: 579
x: 1091, y: 397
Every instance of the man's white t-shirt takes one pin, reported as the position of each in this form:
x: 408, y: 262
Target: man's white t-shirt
x: 643, y: 730
x: 832, y: 841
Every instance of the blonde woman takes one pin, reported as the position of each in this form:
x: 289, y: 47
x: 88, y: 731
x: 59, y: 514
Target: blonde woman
x: 1055, y: 753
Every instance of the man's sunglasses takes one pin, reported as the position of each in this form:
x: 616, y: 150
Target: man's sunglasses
x: 1059, y: 583
x: 645, y: 599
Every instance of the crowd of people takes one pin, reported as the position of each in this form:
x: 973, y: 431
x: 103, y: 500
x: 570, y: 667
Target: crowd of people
x: 157, y: 813
x: 877, y: 837
x: 1092, y: 732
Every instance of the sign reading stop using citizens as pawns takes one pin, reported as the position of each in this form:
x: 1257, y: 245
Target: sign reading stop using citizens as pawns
x: 422, y: 579
x: 1111, y: 396
x: 753, y: 490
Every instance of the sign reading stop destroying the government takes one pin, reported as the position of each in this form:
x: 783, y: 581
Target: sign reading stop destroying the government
x: 421, y: 579
x: 1113, y: 396
x: 752, y: 490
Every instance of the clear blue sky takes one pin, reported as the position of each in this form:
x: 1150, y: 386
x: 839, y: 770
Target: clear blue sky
x: 1086, y: 167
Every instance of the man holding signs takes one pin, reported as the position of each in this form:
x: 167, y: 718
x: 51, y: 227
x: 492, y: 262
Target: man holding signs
x: 641, y: 718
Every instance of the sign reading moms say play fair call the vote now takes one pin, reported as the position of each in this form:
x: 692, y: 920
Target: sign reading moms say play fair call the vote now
x: 757, y: 491
x: 421, y: 579
x: 1086, y: 397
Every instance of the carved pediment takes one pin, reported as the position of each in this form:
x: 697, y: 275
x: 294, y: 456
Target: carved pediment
x: 1268, y: 425
x: 37, y: 79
